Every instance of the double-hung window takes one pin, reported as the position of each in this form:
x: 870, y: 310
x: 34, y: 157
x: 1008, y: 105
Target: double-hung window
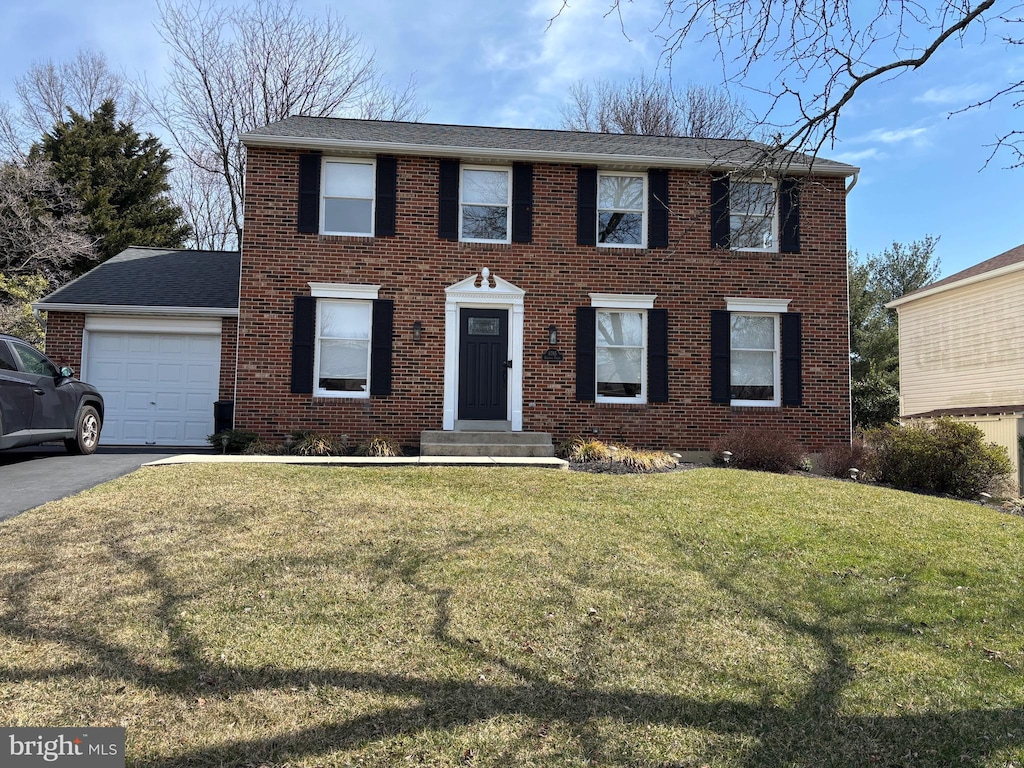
x: 621, y: 210
x: 753, y: 223
x: 621, y: 353
x: 754, y: 359
x: 347, y: 197
x: 342, y: 348
x: 485, y: 202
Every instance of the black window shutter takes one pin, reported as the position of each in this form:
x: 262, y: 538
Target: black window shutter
x: 380, y: 347
x: 721, y: 343
x: 792, y: 381
x: 522, y: 203
x: 720, y: 212
x: 657, y: 208
x: 309, y: 193
x: 789, y: 215
x: 586, y: 207
x: 387, y: 194
x: 657, y: 355
x: 586, y: 353
x: 448, y: 201
x: 303, y: 338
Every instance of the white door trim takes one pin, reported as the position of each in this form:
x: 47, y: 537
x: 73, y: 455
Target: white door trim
x: 485, y: 291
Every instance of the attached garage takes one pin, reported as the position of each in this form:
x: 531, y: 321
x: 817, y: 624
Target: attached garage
x: 155, y: 331
x: 159, y: 378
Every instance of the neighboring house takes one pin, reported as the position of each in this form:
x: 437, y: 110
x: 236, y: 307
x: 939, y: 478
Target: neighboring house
x: 405, y: 279
x: 154, y: 330
x: 961, y: 353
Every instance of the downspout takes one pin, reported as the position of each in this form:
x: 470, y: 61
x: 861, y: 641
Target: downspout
x: 856, y: 175
x: 849, y: 341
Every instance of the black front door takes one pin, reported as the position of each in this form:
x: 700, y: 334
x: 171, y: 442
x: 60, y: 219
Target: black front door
x: 483, y: 364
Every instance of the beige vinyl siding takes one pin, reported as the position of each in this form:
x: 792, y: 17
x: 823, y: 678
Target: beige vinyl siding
x: 964, y: 348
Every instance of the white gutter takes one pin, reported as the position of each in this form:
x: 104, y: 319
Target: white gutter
x: 925, y: 292
x: 852, y: 184
x: 125, y: 309
x: 527, y: 155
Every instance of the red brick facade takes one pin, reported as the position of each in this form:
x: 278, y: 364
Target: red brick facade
x: 415, y: 266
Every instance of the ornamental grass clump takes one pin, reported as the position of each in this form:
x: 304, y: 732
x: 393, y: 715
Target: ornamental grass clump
x: 584, y: 449
x: 311, y: 443
x: 643, y: 461
x: 380, y: 447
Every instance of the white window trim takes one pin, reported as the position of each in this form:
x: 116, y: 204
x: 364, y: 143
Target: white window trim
x: 768, y: 308
x: 372, y: 162
x: 361, y: 294
x: 507, y: 170
x: 643, y: 217
x: 625, y: 302
x: 775, y: 213
x: 317, y: 391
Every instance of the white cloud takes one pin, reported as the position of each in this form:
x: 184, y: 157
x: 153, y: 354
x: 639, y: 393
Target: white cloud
x: 856, y: 157
x: 955, y: 94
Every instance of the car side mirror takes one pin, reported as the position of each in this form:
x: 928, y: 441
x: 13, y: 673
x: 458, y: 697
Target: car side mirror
x: 67, y: 371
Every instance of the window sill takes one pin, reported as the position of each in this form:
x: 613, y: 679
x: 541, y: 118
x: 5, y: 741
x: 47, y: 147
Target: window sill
x: 478, y: 245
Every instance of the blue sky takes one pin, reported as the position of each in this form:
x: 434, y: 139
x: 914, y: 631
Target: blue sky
x: 499, y: 63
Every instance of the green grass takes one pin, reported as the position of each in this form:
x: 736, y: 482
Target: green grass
x: 274, y: 615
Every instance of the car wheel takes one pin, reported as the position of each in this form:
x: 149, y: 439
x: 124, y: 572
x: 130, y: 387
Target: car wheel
x: 87, y: 433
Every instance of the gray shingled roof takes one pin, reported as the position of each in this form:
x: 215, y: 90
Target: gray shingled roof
x: 1009, y: 258
x: 157, y: 277
x: 525, y: 143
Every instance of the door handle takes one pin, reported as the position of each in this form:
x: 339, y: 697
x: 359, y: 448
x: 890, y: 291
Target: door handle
x: 508, y: 364
x: 38, y: 391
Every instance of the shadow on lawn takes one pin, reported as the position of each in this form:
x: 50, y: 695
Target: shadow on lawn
x: 809, y: 733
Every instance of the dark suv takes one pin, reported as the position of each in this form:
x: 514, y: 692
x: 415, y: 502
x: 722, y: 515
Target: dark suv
x: 40, y: 402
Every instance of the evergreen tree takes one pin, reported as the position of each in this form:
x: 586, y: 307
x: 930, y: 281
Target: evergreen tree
x: 121, y: 179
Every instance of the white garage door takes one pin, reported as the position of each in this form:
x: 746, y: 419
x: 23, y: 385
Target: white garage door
x: 158, y: 387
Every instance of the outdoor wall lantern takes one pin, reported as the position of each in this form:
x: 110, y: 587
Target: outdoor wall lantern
x: 417, y: 331
x: 552, y: 335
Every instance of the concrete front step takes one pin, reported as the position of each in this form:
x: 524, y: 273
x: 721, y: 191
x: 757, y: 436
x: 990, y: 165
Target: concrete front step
x: 525, y: 444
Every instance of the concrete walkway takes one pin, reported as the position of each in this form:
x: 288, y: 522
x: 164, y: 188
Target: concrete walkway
x: 365, y: 461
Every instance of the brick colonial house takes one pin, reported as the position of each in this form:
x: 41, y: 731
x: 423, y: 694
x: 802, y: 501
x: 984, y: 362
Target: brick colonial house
x: 402, y: 277
x: 410, y: 280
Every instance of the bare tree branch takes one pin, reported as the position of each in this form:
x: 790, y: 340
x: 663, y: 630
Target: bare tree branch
x: 652, y: 107
x: 235, y: 69
x: 824, y: 53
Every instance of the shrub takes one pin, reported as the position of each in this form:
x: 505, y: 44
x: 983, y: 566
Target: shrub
x: 837, y: 460
x: 760, y: 448
x: 238, y: 440
x: 310, y: 443
x: 379, y: 446
x: 584, y: 449
x: 945, y: 456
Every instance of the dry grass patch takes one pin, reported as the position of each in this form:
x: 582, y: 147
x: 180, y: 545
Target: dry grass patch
x: 317, y: 616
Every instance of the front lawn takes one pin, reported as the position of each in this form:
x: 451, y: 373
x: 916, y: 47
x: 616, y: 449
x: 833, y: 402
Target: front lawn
x: 255, y: 615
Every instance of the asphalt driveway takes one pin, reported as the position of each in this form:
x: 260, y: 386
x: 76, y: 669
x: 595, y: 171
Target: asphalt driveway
x: 33, y: 476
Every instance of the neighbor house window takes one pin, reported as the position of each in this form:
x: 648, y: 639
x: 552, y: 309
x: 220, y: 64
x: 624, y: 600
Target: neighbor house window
x: 754, y: 359
x: 347, y: 200
x: 342, y: 364
x: 485, y: 202
x: 752, y: 215
x: 621, y: 211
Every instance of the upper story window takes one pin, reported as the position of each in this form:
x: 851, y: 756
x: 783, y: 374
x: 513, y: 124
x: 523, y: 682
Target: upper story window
x: 621, y: 210
x: 753, y: 223
x: 485, y: 203
x: 347, y: 197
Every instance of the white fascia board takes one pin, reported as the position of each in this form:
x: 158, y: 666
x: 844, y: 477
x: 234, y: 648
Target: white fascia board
x: 124, y: 309
x: 512, y: 155
x: 1007, y: 270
